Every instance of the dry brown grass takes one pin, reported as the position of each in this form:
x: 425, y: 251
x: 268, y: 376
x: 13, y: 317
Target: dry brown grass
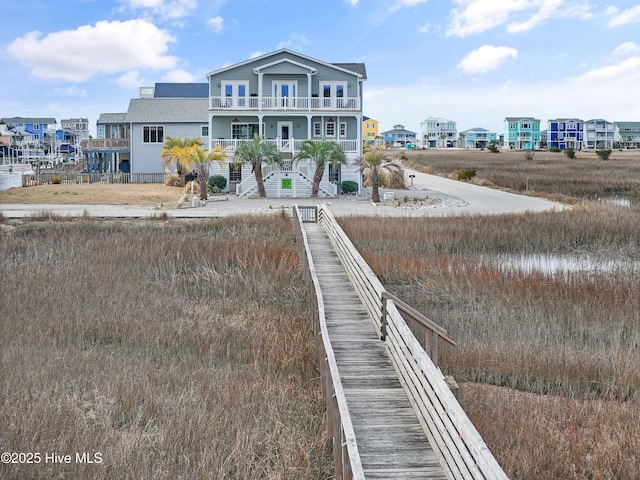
x: 145, y: 194
x: 547, y: 174
x: 571, y: 342
x: 175, y: 349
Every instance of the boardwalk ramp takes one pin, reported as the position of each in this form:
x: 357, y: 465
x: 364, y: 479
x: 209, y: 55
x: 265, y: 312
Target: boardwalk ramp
x: 389, y: 410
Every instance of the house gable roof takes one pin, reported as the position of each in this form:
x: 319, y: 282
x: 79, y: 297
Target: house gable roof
x: 168, y: 110
x: 111, y: 118
x: 357, y: 69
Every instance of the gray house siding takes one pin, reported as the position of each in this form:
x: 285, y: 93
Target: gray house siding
x: 146, y: 157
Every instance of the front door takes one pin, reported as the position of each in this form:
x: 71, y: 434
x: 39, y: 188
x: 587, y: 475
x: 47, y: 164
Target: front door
x: 285, y: 134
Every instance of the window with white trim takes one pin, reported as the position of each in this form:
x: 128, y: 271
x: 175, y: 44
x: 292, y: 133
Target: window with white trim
x: 204, y: 130
x: 330, y: 129
x: 343, y: 129
x: 317, y: 129
x: 153, y: 134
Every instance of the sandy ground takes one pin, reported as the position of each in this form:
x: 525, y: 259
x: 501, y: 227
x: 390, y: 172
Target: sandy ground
x: 429, y: 196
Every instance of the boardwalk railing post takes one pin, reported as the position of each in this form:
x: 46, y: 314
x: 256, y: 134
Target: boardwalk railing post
x: 383, y: 320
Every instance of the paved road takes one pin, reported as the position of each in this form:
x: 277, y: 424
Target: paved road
x: 430, y: 195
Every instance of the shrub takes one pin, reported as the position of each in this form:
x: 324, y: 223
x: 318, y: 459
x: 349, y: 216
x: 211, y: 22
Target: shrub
x: 570, y: 152
x: 467, y: 174
x: 492, y: 147
x: 603, y: 154
x: 554, y: 149
x: 529, y: 154
x: 56, y: 180
x: 216, y: 183
x: 174, y: 180
x: 349, y: 186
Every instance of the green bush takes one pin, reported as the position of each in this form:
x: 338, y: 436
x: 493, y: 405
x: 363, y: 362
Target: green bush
x: 603, y: 154
x: 467, y: 174
x: 570, y: 152
x: 492, y: 147
x: 216, y: 183
x: 349, y: 186
x: 554, y: 149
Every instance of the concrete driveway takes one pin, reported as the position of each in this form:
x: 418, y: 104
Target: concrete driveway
x: 430, y: 195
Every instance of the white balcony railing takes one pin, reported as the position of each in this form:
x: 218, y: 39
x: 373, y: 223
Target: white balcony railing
x: 229, y: 145
x: 285, y: 103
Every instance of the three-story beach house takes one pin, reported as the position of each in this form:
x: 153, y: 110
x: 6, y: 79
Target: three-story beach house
x: 599, y: 133
x: 437, y: 132
x: 286, y: 97
x: 565, y: 133
x: 521, y: 133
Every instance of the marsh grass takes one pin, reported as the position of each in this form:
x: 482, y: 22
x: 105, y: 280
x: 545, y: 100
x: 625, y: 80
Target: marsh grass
x: 175, y: 349
x: 566, y: 347
x: 547, y: 174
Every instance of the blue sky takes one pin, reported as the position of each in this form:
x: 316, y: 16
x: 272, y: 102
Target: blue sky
x: 471, y: 61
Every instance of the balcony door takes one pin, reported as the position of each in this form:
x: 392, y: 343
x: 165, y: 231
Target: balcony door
x: 333, y: 94
x: 285, y: 94
x: 235, y: 94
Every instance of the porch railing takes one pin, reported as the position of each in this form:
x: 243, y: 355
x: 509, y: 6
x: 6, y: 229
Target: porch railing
x: 229, y: 145
x: 285, y: 103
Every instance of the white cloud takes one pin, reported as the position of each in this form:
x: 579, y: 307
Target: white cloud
x: 626, y: 48
x: 353, y: 3
x: 180, y: 76
x: 630, y: 15
x: 621, y: 72
x: 106, y: 48
x: 216, y: 24
x: 486, y: 58
x: 164, y: 8
x: 477, y: 16
x: 399, y: 4
x: 130, y: 80
x: 547, y: 9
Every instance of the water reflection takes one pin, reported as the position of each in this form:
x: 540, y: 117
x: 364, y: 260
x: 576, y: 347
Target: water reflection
x: 618, y: 201
x: 561, y: 264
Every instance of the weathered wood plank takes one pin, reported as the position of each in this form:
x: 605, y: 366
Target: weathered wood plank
x: 390, y: 439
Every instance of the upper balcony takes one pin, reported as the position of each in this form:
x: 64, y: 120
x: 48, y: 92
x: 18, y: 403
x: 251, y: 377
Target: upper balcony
x: 279, y: 104
x: 105, y: 144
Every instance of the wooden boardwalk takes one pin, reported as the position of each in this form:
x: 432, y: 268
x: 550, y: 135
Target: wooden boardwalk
x: 389, y: 436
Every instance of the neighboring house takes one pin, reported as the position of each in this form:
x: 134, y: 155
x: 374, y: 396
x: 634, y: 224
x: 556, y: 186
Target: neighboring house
x: 627, y: 134
x: 599, y: 133
x: 476, y: 138
x: 565, y: 133
x: 370, y: 137
x: 521, y: 133
x: 543, y: 138
x: 439, y: 132
x: 398, y: 137
x: 80, y: 126
x: 111, y: 150
x: 287, y: 98
x: 39, y: 130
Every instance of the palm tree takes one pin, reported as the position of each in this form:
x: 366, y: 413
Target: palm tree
x: 255, y: 152
x: 201, y: 160
x: 376, y: 164
x: 178, y: 150
x: 324, y: 152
